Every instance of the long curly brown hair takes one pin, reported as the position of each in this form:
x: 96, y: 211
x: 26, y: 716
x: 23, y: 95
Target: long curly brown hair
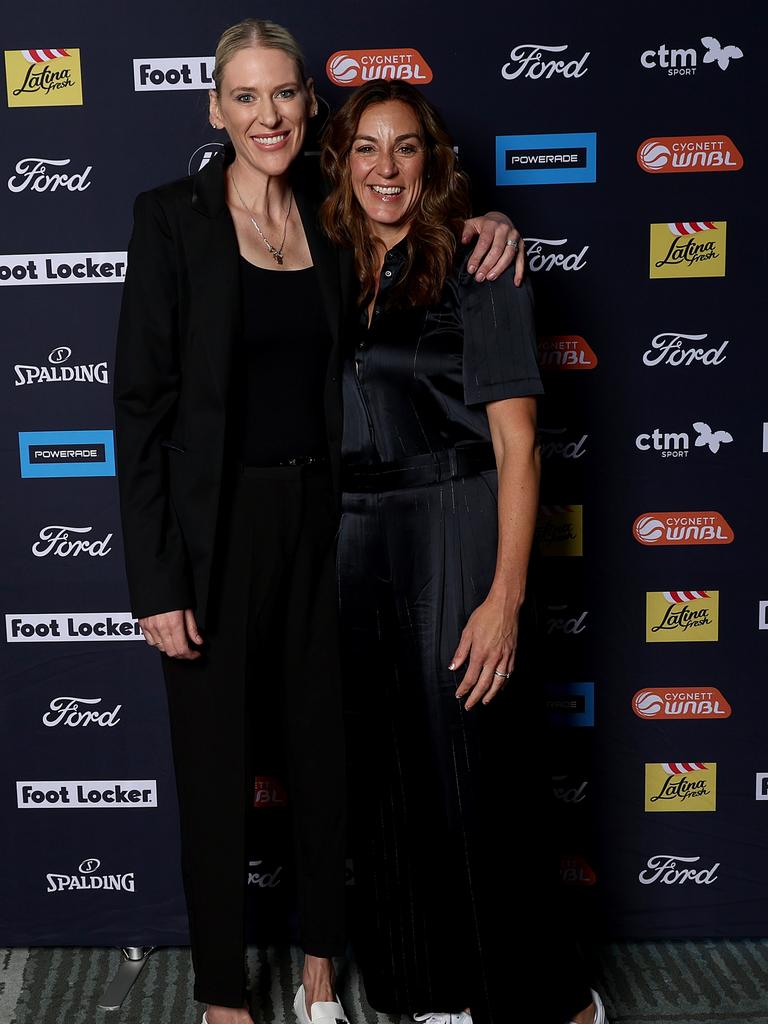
x: 440, y: 212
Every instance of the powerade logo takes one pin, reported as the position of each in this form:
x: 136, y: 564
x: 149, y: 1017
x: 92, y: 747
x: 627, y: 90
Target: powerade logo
x: 59, y: 453
x: 546, y: 159
x: 571, y: 704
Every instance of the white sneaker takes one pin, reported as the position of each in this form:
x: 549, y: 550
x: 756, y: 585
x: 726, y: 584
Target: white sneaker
x: 600, y: 1017
x: 443, y: 1018
x: 322, y: 1013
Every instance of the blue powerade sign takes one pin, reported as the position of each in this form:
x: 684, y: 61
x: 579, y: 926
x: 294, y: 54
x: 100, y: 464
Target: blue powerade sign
x: 564, y: 159
x: 65, y: 453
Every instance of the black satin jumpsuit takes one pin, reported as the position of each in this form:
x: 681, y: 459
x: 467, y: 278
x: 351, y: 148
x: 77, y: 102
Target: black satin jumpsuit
x: 436, y: 878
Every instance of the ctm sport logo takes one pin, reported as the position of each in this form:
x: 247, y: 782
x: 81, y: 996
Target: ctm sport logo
x: 676, y: 444
x: 682, y: 616
x: 43, y: 78
x: 677, y: 62
x: 693, y: 248
x: 681, y: 786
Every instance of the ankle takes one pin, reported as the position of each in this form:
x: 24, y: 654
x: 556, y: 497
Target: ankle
x: 587, y: 1015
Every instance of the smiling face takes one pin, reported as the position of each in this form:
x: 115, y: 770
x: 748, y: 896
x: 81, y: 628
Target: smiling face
x: 264, y: 106
x: 386, y: 166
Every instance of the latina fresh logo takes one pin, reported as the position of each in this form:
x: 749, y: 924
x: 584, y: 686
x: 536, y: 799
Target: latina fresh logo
x: 43, y: 78
x: 560, y: 530
x: 681, y: 786
x: 674, y: 616
x: 688, y: 249
x: 678, y: 154
x: 661, y: 529
x: 559, y: 352
x: 350, y: 68
x: 682, y: 702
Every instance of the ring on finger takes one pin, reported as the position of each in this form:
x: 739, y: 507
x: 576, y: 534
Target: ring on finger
x: 502, y: 675
x: 512, y: 242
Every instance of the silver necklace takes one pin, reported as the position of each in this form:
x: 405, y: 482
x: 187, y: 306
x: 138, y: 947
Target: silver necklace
x: 275, y: 253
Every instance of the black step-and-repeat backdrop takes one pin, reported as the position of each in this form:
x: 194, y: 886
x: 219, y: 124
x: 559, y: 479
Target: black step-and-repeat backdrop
x: 627, y: 149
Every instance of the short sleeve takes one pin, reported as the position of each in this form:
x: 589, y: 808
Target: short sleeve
x: 500, y: 353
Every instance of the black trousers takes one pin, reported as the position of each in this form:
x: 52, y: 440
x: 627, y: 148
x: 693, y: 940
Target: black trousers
x: 453, y: 875
x: 273, y: 630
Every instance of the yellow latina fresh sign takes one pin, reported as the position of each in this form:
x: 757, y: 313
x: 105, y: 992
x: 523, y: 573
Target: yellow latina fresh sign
x: 684, y: 616
x: 560, y: 530
x: 688, y: 249
x: 681, y: 786
x: 43, y: 78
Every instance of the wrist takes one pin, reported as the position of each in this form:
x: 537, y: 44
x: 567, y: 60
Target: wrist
x: 507, y: 594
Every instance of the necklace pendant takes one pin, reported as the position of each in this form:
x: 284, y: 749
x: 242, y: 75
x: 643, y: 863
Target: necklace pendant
x: 278, y: 258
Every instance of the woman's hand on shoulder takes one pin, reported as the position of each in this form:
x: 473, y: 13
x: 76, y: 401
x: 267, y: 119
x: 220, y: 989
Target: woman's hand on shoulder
x: 493, y: 254
x: 174, y: 633
x: 489, y: 640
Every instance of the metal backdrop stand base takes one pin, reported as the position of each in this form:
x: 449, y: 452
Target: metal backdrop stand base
x: 131, y: 966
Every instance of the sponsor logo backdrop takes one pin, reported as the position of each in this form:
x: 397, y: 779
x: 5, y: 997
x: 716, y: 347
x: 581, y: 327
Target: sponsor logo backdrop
x: 644, y: 235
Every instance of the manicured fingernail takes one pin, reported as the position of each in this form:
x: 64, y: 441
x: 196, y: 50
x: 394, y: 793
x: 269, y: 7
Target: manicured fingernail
x: 452, y: 666
x: 480, y: 277
x: 492, y: 277
x: 472, y: 268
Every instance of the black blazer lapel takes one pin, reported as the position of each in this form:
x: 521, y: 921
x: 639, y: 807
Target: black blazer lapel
x: 214, y: 272
x: 325, y: 259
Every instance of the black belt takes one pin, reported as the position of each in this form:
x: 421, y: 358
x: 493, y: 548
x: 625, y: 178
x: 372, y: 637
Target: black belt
x: 420, y: 470
x: 298, y: 460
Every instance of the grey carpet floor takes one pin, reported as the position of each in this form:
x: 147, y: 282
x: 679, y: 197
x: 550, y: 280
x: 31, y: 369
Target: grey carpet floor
x: 717, y: 982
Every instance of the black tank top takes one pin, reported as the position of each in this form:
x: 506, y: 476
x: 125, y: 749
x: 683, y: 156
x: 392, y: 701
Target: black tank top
x: 281, y: 365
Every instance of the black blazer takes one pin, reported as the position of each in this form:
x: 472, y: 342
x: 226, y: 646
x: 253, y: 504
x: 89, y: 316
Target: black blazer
x: 179, y: 319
